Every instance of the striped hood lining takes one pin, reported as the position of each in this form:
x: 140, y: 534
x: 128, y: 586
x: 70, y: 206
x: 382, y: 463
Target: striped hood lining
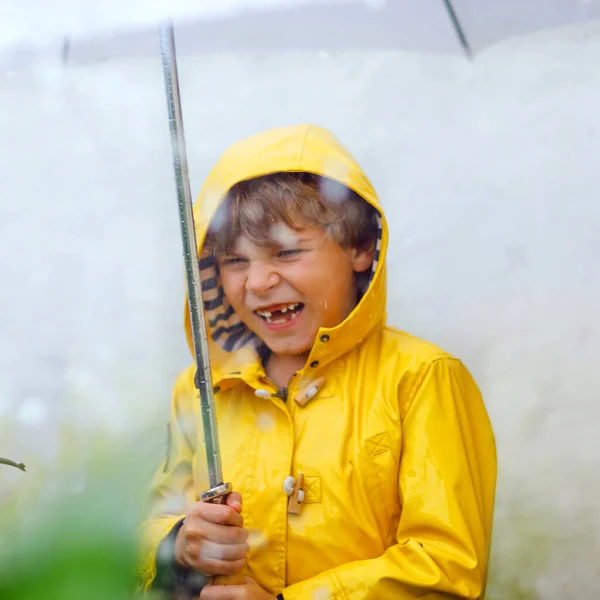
x: 225, y: 326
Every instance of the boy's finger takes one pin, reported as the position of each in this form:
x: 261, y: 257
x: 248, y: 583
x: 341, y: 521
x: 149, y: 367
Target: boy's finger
x: 234, y: 500
x: 210, y: 550
x: 220, y: 514
x: 224, y: 592
x: 218, y: 534
x: 212, y: 566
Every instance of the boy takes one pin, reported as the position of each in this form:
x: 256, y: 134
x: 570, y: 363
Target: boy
x: 364, y: 457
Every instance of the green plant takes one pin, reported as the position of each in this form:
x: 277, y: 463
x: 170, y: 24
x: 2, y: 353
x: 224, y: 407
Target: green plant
x: 12, y: 463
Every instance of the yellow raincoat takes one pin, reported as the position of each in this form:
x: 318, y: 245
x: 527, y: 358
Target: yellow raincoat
x: 396, y: 447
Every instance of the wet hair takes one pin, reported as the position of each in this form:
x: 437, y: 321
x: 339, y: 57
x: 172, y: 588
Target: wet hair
x: 254, y: 207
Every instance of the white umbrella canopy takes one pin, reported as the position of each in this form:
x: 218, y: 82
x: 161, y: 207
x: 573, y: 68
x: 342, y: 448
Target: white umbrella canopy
x: 77, y: 32
x: 488, y: 21
x: 112, y: 30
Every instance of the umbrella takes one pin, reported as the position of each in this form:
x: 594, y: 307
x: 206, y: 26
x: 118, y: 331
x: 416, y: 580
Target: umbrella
x: 112, y: 30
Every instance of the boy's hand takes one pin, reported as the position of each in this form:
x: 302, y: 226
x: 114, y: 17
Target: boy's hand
x: 249, y: 591
x: 212, y: 539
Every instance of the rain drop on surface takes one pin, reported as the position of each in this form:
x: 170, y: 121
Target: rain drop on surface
x: 33, y: 411
x: 188, y: 424
x: 196, y: 579
x: 218, y: 221
x: 166, y: 550
x: 174, y: 505
x: 265, y: 422
x: 283, y: 235
x: 321, y: 593
x: 257, y: 539
x: 331, y: 188
x: 375, y: 4
x: 210, y: 207
x: 210, y: 551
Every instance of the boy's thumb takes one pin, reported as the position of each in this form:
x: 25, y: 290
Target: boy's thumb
x: 234, y: 500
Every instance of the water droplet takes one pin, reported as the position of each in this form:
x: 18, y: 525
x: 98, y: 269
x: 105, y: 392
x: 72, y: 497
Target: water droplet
x: 265, y: 422
x: 33, y: 411
x: 283, y: 235
x: 322, y: 593
x: 166, y: 550
x: 257, y: 539
x: 375, y: 4
x: 174, y: 505
x: 331, y: 188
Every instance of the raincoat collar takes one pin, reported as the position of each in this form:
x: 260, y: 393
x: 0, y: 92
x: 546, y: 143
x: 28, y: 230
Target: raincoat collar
x: 235, y: 352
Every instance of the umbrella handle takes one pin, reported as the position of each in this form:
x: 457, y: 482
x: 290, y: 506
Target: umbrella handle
x: 238, y: 578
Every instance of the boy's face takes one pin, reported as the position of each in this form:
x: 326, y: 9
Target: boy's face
x: 285, y: 293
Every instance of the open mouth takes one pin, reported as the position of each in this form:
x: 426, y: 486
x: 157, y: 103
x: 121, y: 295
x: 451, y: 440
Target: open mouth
x: 280, y: 313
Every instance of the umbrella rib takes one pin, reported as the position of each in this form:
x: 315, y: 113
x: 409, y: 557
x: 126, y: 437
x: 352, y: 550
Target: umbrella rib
x: 65, y: 50
x: 460, y: 32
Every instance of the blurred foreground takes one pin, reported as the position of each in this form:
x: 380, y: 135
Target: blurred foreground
x: 72, y: 537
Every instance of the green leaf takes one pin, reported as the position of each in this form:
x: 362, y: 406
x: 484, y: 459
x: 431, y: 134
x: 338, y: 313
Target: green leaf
x: 12, y: 463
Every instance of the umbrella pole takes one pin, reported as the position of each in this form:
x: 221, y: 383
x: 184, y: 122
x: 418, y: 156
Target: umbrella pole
x: 218, y: 490
x: 203, y: 379
x: 458, y: 28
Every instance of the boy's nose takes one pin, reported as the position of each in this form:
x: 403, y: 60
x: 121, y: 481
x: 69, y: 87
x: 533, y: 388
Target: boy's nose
x: 261, y: 278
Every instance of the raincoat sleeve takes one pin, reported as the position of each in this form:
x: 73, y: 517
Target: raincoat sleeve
x: 446, y: 482
x: 172, y: 490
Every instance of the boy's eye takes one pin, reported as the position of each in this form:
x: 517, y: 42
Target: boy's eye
x: 289, y: 253
x: 233, y: 260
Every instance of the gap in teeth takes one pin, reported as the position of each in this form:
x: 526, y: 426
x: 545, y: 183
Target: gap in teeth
x: 281, y: 321
x: 268, y: 314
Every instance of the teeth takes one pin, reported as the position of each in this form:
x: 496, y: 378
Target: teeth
x: 278, y: 321
x: 267, y: 314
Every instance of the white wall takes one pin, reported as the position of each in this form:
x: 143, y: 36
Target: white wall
x: 489, y: 172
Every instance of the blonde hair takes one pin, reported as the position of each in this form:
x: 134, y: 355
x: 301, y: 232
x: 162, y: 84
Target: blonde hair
x: 298, y: 200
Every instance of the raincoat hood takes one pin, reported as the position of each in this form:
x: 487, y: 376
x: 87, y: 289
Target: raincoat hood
x: 234, y: 349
